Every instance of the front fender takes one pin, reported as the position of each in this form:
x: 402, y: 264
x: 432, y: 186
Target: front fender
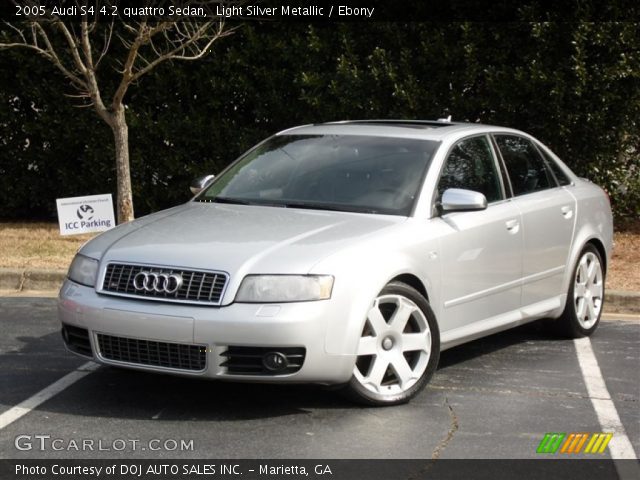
x: 361, y: 273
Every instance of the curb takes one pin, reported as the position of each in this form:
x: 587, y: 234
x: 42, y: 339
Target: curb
x: 40, y: 279
x: 621, y: 301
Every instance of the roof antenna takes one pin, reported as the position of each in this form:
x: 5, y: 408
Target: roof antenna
x: 448, y: 119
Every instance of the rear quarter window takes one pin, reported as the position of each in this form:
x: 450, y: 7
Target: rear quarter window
x: 561, y: 177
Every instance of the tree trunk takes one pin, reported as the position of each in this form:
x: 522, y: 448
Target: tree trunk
x: 123, y: 172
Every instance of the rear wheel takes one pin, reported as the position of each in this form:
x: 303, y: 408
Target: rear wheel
x: 585, y: 298
x: 398, y: 349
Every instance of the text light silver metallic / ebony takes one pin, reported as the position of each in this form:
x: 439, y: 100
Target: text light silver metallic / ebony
x: 347, y: 254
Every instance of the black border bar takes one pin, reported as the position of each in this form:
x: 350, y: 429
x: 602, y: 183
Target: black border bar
x: 565, y: 468
x: 329, y: 11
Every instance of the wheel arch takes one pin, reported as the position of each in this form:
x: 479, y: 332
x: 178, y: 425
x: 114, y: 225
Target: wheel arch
x: 589, y: 238
x: 597, y: 243
x: 413, y: 281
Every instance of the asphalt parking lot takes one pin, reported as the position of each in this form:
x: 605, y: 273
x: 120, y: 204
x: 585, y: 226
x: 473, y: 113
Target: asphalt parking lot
x: 493, y: 398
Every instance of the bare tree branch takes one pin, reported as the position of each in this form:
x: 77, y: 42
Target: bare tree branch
x: 128, y: 66
x: 107, y: 43
x: 90, y: 74
x: 77, y: 50
x: 73, y: 44
x: 17, y: 30
x: 187, y: 47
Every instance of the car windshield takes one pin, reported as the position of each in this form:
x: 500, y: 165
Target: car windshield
x: 349, y: 173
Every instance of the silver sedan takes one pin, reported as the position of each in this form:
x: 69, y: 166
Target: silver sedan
x: 347, y: 253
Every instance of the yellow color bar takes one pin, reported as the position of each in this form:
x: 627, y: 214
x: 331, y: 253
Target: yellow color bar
x: 598, y: 442
x: 594, y: 437
x: 596, y: 446
x: 607, y: 439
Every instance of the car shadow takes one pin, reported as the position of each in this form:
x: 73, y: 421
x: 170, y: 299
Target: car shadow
x: 539, y: 330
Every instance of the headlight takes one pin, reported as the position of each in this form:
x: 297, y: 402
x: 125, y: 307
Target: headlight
x: 83, y: 270
x: 284, y: 288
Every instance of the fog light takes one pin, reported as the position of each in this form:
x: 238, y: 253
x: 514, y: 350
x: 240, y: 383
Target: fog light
x: 275, y: 361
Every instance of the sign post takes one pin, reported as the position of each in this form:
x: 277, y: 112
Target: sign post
x: 85, y: 214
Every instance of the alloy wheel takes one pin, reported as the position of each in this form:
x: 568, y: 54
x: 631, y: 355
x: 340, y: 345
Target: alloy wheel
x: 395, y: 346
x: 588, y: 290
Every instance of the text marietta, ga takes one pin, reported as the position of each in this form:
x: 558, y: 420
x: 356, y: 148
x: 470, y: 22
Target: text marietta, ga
x: 166, y: 469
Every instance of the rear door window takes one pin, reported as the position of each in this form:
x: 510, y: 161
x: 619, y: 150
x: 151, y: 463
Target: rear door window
x: 527, y: 170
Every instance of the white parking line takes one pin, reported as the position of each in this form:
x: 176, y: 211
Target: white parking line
x: 620, y: 447
x: 45, y: 394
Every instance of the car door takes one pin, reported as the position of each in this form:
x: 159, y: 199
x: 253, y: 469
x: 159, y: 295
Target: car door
x: 481, y: 250
x: 548, y: 219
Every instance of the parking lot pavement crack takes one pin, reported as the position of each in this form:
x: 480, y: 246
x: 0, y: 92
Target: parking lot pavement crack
x: 453, y: 428
x: 435, y: 455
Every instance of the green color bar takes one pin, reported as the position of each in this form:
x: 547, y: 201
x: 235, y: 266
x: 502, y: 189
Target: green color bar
x: 551, y: 442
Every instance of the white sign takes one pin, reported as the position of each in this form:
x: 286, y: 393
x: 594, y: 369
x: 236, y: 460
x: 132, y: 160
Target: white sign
x: 85, y: 214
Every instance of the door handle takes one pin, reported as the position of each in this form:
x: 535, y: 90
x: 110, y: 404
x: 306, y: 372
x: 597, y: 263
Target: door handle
x: 567, y: 212
x: 513, y: 225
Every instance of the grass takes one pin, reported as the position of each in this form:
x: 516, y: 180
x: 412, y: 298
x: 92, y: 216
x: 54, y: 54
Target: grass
x: 37, y: 245
x: 40, y: 245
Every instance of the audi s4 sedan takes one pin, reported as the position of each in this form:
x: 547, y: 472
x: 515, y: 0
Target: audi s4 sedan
x: 348, y: 254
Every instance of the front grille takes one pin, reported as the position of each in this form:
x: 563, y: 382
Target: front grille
x: 158, y: 354
x: 197, y: 286
x: 77, y: 340
x: 249, y: 360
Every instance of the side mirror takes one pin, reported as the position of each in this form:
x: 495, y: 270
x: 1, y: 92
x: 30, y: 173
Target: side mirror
x: 460, y: 200
x: 201, y: 183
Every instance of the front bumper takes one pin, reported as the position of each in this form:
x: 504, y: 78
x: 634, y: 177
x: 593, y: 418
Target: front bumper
x: 216, y: 331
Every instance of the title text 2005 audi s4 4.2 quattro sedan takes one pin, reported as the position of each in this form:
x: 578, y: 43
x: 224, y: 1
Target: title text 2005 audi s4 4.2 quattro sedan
x: 347, y: 253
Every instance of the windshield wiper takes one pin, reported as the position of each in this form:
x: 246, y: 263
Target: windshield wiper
x: 294, y: 204
x: 232, y: 201
x: 328, y: 206
x: 242, y: 201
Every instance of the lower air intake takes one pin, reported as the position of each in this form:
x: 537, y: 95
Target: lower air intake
x: 77, y: 340
x: 258, y: 360
x: 178, y: 356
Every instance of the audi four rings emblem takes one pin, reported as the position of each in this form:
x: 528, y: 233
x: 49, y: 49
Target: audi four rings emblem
x: 157, y: 282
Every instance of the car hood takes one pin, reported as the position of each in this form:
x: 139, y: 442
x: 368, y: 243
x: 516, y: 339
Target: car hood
x: 237, y: 239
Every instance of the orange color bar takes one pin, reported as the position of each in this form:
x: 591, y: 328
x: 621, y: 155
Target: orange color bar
x: 583, y: 439
x: 567, y: 443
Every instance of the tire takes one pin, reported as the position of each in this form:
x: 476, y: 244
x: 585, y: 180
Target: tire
x: 585, y: 298
x: 398, y: 350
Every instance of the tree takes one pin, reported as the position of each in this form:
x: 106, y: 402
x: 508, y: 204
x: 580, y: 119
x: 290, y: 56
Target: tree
x: 78, y: 47
x: 573, y: 85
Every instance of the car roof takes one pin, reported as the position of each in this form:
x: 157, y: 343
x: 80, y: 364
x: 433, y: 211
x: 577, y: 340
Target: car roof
x: 424, y: 129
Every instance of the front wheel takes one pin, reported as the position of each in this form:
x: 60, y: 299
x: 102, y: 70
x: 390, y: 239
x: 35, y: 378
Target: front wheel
x: 585, y: 298
x: 398, y: 349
